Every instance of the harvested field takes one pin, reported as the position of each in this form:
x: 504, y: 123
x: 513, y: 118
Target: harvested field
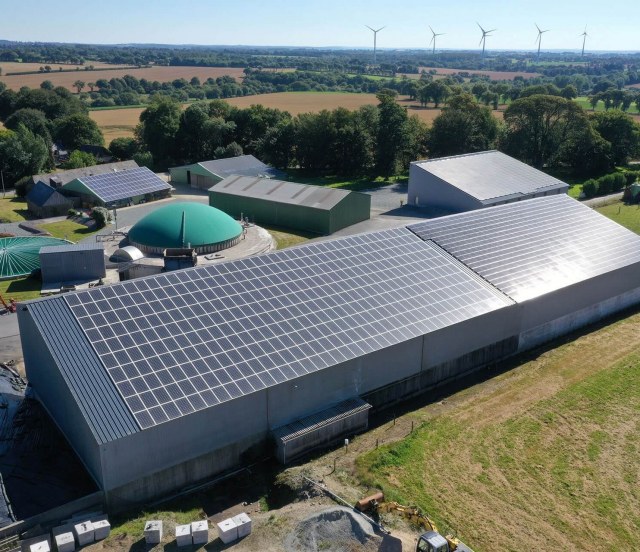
x: 15, y: 67
x: 116, y: 123
x: 544, y: 456
x: 493, y: 75
x: 161, y: 74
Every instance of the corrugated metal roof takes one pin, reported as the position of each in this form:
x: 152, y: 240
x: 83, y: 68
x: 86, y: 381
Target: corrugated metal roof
x: 246, y: 165
x: 491, y: 176
x: 64, y: 177
x: 533, y: 247
x: 279, y: 191
x: 320, y: 419
x: 82, y: 246
x: 100, y: 403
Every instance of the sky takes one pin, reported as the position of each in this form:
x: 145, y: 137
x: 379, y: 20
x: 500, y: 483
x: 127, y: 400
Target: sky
x: 325, y: 23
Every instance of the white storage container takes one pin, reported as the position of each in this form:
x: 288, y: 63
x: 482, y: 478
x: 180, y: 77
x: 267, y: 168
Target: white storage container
x: 200, y: 532
x: 228, y: 531
x: 153, y: 532
x: 84, y: 533
x: 183, y: 535
x: 65, y: 542
x: 40, y: 546
x: 101, y: 529
x: 243, y: 522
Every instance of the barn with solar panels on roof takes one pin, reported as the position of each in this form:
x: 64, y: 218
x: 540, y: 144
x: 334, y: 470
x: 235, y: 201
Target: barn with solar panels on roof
x: 161, y: 382
x: 477, y: 180
x: 119, y: 188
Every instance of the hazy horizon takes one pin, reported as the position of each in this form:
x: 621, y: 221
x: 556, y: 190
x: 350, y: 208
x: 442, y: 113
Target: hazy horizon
x: 326, y: 24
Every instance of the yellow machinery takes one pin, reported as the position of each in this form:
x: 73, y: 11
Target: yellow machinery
x: 430, y: 541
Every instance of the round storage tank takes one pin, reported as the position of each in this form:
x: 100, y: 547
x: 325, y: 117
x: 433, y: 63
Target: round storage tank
x: 204, y: 228
x: 20, y: 256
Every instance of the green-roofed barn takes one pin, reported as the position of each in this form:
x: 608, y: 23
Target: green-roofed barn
x: 185, y: 224
x: 298, y: 206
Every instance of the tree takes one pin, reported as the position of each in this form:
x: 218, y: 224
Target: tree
x: 144, y: 159
x: 276, y: 146
x: 77, y: 130
x: 123, y: 148
x: 79, y: 85
x: 462, y: 127
x: 47, y: 85
x: 22, y: 153
x: 392, y: 135
x: 33, y: 120
x: 621, y: 131
x: 158, y: 127
x: 91, y: 86
x: 79, y: 159
x: 101, y: 215
x: 538, y: 127
x: 437, y: 91
x: 569, y: 92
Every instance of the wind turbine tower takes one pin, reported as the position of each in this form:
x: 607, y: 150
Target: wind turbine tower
x: 539, y: 38
x: 375, y: 42
x: 485, y: 34
x: 584, y: 36
x: 433, y: 39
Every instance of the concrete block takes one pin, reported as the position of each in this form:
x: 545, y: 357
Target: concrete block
x: 65, y: 542
x: 243, y: 522
x: 183, y: 535
x: 228, y: 531
x: 101, y: 529
x: 200, y: 532
x: 84, y: 533
x: 153, y: 532
x: 40, y: 546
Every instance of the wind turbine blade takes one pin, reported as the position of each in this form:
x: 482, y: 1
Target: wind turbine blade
x: 480, y: 27
x: 480, y: 43
x: 537, y: 27
x: 367, y: 26
x: 492, y: 31
x: 432, y: 39
x: 378, y: 30
x: 432, y: 31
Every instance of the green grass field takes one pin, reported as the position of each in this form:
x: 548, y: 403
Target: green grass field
x: 583, y: 101
x: 341, y: 182
x: 13, y: 209
x: 20, y: 290
x: 626, y: 215
x: 68, y: 230
x: 543, y: 457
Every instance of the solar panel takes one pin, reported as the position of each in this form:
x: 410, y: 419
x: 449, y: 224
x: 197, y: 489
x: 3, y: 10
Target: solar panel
x: 125, y: 184
x: 189, y: 339
x: 533, y: 247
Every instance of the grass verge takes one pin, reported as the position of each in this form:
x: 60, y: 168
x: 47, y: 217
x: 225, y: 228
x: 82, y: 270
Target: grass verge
x: 68, y: 230
x: 285, y: 237
x: 626, y: 215
x: 13, y: 209
x: 20, y: 290
x: 341, y: 182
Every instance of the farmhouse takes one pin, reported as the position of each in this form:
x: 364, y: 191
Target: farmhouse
x: 60, y: 178
x: 160, y: 382
x: 44, y: 201
x: 119, y: 188
x: 205, y: 174
x: 290, y: 205
x: 477, y: 180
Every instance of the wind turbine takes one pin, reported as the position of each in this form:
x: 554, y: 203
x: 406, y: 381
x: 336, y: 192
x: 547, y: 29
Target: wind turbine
x: 433, y: 39
x: 584, y: 36
x: 485, y: 34
x: 375, y: 39
x: 539, y: 39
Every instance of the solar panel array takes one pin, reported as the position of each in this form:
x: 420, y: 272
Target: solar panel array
x: 186, y: 340
x: 533, y: 247
x: 119, y: 185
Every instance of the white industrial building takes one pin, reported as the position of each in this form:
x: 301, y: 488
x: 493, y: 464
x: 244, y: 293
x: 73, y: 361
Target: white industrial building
x: 160, y: 382
x: 476, y: 180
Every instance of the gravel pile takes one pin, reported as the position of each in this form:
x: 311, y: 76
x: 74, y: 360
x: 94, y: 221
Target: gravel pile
x: 338, y: 529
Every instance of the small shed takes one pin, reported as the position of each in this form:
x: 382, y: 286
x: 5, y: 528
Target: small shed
x: 291, y: 205
x: 205, y: 174
x: 72, y: 262
x: 477, y: 180
x: 44, y: 201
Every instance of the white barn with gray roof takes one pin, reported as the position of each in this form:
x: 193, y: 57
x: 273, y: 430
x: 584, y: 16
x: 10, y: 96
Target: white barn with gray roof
x: 477, y: 180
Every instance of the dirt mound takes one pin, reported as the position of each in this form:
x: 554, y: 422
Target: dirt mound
x: 338, y: 529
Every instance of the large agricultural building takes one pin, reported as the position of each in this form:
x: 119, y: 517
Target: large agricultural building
x: 297, y: 206
x: 161, y: 382
x: 205, y: 174
x: 119, y: 188
x: 477, y: 180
